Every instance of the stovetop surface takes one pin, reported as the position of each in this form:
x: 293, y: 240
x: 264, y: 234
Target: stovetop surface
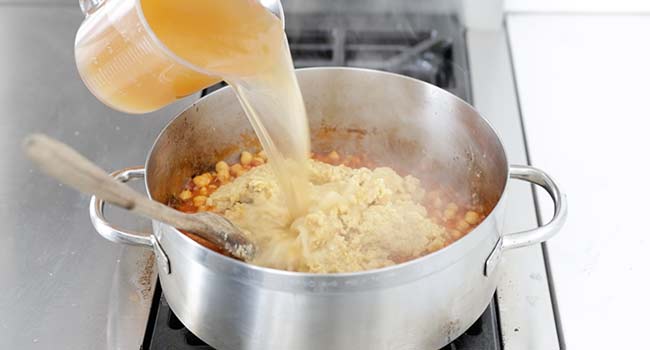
x: 427, y: 47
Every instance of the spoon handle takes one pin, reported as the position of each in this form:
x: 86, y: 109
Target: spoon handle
x: 71, y: 168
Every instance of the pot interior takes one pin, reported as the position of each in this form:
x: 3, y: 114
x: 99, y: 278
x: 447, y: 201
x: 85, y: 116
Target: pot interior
x: 396, y: 121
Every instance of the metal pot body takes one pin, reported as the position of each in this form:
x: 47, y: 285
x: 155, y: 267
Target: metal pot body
x: 421, y: 304
x: 236, y: 307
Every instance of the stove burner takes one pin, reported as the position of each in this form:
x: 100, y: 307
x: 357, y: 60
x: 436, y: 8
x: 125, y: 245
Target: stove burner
x: 422, y: 55
x: 426, y: 47
x: 166, y: 331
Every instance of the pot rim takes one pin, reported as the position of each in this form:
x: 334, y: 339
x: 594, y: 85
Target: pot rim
x: 390, y: 270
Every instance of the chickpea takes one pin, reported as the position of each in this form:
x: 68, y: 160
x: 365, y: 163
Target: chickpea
x: 185, y: 195
x: 452, y: 206
x: 202, y: 208
x: 203, y: 191
x: 455, y: 234
x: 257, y: 161
x: 223, y: 176
x: 237, y: 170
x: 221, y: 166
x: 334, y: 156
x: 462, y: 225
x: 202, y: 180
x: 199, y: 200
x: 245, y: 158
x: 262, y: 154
x: 449, y: 213
x: 472, y: 217
x: 212, y: 187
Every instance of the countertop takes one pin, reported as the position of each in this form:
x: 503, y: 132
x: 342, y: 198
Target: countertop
x: 62, y: 285
x: 582, y: 83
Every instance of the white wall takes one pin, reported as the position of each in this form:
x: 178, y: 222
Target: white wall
x: 581, y: 6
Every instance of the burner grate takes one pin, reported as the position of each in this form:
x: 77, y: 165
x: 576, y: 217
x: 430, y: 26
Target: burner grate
x: 168, y: 332
x: 426, y: 47
x: 424, y: 55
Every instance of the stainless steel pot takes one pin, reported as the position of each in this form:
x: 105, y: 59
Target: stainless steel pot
x: 421, y: 304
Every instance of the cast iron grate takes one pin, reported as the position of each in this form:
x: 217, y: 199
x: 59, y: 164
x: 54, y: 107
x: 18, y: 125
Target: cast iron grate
x: 165, y: 331
x: 424, y: 55
x: 426, y: 47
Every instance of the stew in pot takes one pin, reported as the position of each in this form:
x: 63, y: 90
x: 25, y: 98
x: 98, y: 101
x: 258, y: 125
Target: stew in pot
x: 363, y: 216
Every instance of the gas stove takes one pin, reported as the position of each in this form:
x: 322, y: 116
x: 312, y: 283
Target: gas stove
x: 67, y: 288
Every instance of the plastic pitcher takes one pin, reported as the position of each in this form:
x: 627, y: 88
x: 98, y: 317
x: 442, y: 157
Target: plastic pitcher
x: 127, y: 67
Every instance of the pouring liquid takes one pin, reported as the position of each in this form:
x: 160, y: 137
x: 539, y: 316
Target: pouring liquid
x: 245, y: 44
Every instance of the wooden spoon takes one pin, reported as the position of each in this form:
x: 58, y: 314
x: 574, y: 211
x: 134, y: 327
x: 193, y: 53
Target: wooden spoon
x: 68, y: 166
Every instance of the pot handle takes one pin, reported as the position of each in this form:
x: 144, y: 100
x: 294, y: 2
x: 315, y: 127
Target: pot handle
x: 536, y: 235
x: 106, y: 229
x: 544, y: 232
